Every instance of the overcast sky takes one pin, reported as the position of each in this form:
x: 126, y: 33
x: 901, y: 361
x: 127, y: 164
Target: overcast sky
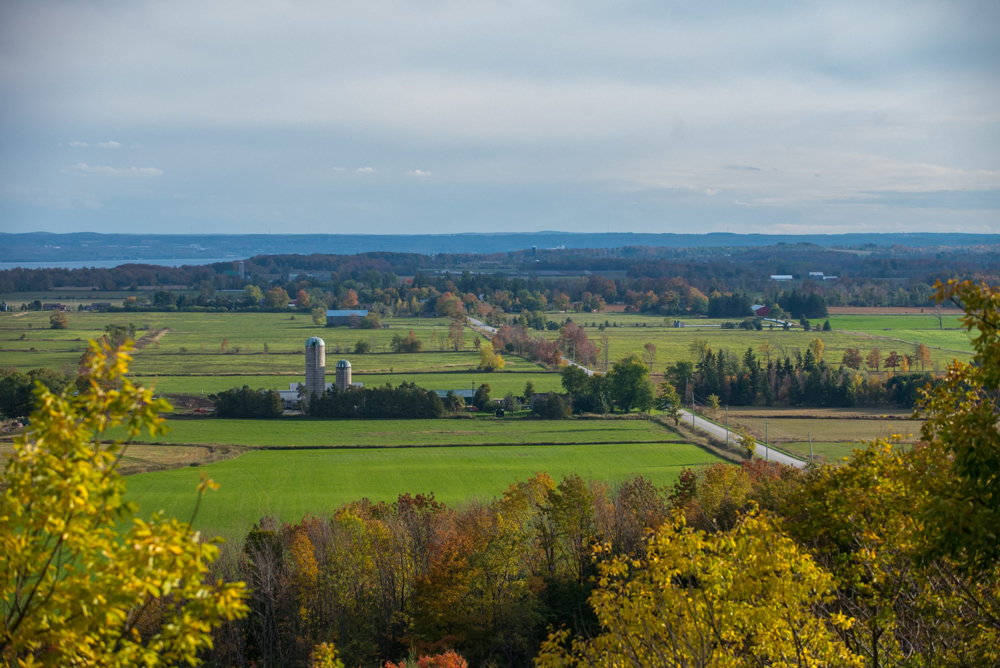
x: 476, y: 116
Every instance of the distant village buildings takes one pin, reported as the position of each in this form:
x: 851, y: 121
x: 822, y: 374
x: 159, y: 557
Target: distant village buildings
x: 337, y: 317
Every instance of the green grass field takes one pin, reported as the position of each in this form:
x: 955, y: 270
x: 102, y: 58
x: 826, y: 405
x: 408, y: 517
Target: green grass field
x: 386, y: 433
x: 193, y: 345
x: 500, y: 382
x: 293, y: 484
x: 877, y: 323
x: 675, y: 344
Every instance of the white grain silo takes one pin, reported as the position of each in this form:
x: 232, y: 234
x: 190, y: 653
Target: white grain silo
x: 343, y: 375
x: 315, y: 366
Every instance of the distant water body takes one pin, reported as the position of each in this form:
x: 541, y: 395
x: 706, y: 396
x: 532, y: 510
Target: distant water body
x: 106, y: 264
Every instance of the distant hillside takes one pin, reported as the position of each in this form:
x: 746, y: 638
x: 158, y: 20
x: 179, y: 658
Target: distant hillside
x: 44, y: 247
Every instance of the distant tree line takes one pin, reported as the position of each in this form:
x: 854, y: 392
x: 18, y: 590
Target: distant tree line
x: 795, y: 380
x: 661, y: 281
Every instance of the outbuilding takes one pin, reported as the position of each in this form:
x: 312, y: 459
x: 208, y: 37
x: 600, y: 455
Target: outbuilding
x: 337, y: 317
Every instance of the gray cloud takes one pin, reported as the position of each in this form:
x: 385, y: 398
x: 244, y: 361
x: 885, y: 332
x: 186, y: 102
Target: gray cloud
x: 84, y: 168
x: 548, y: 114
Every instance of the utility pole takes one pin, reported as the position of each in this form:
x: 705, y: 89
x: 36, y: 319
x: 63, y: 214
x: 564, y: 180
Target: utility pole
x: 727, y: 425
x: 765, y: 441
x: 810, y: 447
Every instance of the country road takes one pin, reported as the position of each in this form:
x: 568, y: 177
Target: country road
x: 767, y: 453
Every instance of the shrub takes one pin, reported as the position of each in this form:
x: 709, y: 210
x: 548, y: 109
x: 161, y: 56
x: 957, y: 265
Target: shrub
x: 409, y: 344
x: 553, y: 407
x: 58, y: 320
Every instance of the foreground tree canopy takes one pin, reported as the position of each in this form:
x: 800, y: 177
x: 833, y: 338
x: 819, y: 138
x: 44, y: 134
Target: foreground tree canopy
x: 74, y: 588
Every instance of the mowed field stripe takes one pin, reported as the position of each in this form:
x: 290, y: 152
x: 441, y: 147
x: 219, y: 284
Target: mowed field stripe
x: 290, y: 484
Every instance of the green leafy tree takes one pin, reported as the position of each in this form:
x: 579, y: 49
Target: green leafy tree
x: 252, y: 294
x: 630, y: 384
x: 669, y: 401
x: 552, y: 407
x: 962, y: 520
x: 16, y: 389
x: 529, y: 389
x: 482, y: 396
x: 75, y: 585
x: 319, y: 316
x: 16, y: 398
x: 574, y: 379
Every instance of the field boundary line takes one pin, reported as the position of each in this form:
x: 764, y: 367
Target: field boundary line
x: 407, y: 446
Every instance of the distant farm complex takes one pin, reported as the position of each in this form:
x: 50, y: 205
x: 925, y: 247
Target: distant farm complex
x: 316, y: 384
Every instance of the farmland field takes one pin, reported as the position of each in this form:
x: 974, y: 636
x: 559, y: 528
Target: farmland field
x: 288, y: 432
x: 829, y: 451
x: 831, y: 438
x: 291, y: 484
x: 675, y: 344
x: 191, y: 344
x: 876, y: 323
x: 142, y: 458
x: 500, y: 382
x: 798, y: 429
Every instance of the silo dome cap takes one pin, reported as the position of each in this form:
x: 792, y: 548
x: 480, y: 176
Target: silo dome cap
x: 315, y: 341
x: 343, y: 364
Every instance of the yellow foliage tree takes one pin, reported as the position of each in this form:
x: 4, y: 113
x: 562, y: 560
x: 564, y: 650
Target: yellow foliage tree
x: 728, y: 599
x: 748, y: 443
x: 75, y: 589
x: 817, y: 348
x: 490, y: 360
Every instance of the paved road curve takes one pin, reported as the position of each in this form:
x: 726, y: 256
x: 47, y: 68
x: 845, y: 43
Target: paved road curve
x: 762, y: 450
